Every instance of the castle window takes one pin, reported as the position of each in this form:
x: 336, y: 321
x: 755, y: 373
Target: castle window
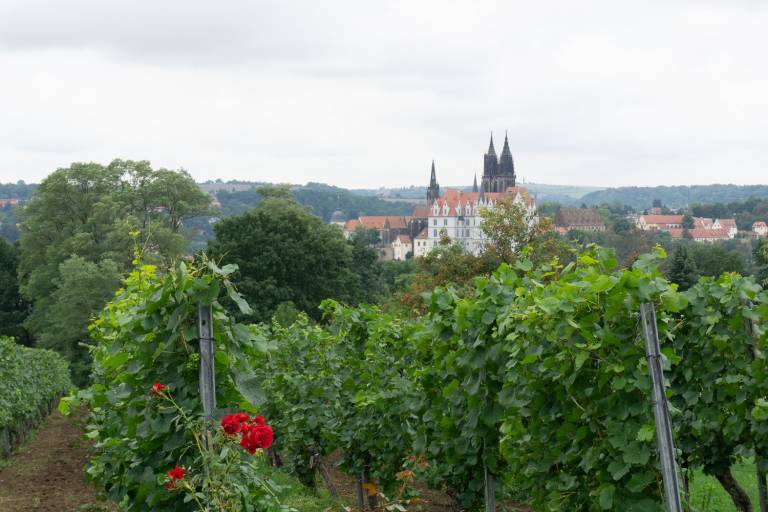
x: 434, y: 222
x: 445, y: 222
x: 434, y: 233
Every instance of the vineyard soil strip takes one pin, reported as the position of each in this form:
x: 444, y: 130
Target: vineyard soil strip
x: 661, y: 410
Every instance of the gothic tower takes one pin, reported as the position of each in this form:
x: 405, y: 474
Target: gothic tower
x: 498, y: 173
x: 433, y: 192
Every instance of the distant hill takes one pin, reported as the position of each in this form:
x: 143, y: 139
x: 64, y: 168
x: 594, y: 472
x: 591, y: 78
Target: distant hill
x: 675, y: 197
x: 564, y: 194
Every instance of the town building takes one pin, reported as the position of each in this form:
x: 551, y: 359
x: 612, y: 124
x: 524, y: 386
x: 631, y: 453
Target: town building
x: 402, y: 247
x: 760, y: 228
x: 12, y: 201
x: 582, y: 219
x: 704, y: 229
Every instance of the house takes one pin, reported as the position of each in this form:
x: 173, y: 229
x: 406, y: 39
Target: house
x: 582, y: 219
x: 11, y: 201
x: 402, y: 247
x: 704, y: 229
x: 760, y: 228
x: 387, y: 226
x: 421, y: 244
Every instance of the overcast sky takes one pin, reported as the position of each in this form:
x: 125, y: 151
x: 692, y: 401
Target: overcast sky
x: 366, y: 94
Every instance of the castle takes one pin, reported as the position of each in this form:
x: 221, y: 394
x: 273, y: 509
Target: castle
x: 455, y: 214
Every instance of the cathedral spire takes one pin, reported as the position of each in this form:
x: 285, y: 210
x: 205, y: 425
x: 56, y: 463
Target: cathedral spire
x: 491, y: 149
x: 505, y: 151
x: 433, y: 191
x: 474, y: 185
x: 506, y: 167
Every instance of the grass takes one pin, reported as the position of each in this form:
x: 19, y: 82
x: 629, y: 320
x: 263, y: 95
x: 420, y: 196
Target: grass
x: 296, y: 495
x: 707, y: 495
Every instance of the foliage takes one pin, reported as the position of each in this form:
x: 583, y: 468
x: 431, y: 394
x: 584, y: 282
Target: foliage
x: 29, y: 378
x: 510, y: 226
x: 682, y: 269
x: 89, y: 211
x: 284, y: 253
x: 676, y: 196
x: 460, y: 375
x: 718, y: 383
x: 578, y: 428
x: 13, y: 308
x: 761, y: 261
x: 342, y: 386
x: 148, y: 334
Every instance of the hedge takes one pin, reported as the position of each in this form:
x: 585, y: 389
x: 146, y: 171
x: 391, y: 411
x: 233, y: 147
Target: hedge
x: 30, y: 379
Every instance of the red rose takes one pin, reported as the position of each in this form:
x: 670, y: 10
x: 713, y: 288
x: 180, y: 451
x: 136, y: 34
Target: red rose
x: 259, y: 420
x: 158, y: 389
x: 241, y: 417
x: 257, y: 437
x: 176, y: 473
x: 230, y: 424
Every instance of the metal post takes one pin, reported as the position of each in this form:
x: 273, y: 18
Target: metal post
x: 762, y: 488
x: 490, y: 491
x: 661, y: 410
x: 360, y: 496
x: 207, y: 377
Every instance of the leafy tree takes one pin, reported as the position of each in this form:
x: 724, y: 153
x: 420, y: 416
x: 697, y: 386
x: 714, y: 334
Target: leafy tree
x: 284, y: 253
x: 509, y: 226
x: 688, y: 221
x: 13, y: 308
x: 761, y: 260
x: 622, y: 226
x: 715, y: 259
x: 682, y: 269
x: 97, y: 213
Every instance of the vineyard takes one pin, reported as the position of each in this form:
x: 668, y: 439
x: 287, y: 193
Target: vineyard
x: 31, y: 380
x: 534, y: 388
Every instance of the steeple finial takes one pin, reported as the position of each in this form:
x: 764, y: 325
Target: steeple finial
x: 505, y: 150
x: 474, y: 184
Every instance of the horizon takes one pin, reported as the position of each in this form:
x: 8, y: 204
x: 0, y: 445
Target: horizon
x: 366, y: 95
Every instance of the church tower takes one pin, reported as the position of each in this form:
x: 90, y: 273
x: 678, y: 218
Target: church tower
x: 498, y: 173
x: 433, y: 192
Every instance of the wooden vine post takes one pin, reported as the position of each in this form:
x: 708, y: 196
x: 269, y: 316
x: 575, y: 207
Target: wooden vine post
x: 661, y: 410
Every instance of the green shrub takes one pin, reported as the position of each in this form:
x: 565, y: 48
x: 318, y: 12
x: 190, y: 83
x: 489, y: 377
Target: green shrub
x: 29, y: 378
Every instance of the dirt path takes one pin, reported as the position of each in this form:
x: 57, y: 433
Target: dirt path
x: 46, y: 474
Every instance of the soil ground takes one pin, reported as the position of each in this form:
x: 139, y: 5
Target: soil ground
x: 46, y: 473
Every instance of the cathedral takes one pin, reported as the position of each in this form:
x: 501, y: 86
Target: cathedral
x: 498, y: 173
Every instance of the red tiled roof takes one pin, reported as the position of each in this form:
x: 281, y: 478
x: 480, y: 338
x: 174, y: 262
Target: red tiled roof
x: 663, y: 219
x: 421, y: 212
x: 727, y: 223
x: 423, y: 235
x: 709, y: 233
x: 378, y: 221
x: 454, y: 197
x: 404, y: 239
x: 759, y: 224
x: 351, y: 225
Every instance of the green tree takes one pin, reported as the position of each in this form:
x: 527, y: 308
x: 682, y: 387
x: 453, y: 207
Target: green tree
x: 682, y: 269
x: 510, y: 226
x: 284, y: 253
x: 97, y: 213
x: 761, y: 261
x: 13, y: 308
x: 715, y: 259
x: 688, y: 221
